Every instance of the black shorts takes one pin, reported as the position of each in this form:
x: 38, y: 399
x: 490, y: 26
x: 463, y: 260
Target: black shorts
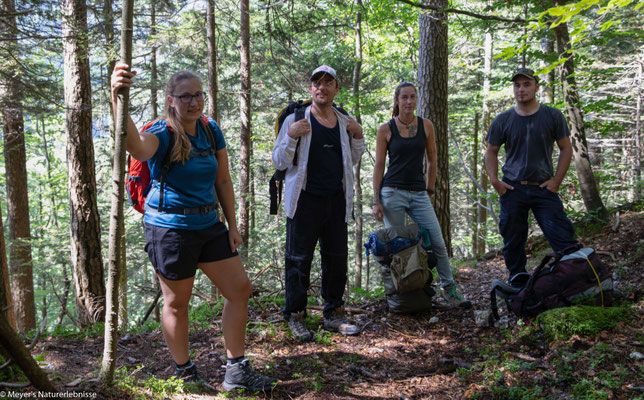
x: 175, y: 253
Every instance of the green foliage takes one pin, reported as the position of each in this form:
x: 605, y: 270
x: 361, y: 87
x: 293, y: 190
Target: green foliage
x: 517, y: 393
x: 359, y: 295
x: 205, y: 313
x: 95, y: 330
x: 561, y: 323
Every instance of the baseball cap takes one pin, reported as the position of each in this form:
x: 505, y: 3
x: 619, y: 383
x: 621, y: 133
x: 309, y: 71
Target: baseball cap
x: 324, y: 69
x: 527, y: 72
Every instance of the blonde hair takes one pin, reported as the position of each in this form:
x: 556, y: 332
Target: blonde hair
x: 182, y: 147
x: 396, y: 110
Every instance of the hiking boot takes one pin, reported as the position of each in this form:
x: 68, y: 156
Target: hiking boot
x: 241, y: 376
x: 188, y: 373
x: 298, y: 327
x: 337, y: 321
x: 454, y: 298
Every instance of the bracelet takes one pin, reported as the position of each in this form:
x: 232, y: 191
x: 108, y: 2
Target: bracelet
x: 430, y: 191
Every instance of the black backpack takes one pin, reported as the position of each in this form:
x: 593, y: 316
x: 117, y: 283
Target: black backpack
x: 559, y: 281
x: 276, y: 183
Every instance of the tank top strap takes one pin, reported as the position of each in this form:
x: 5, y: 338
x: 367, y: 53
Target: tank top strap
x: 421, y: 128
x: 393, y: 128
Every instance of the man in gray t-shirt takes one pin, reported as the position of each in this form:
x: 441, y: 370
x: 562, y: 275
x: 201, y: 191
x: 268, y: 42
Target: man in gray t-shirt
x: 528, y: 130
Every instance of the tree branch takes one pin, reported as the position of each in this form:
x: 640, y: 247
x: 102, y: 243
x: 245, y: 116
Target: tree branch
x: 468, y: 13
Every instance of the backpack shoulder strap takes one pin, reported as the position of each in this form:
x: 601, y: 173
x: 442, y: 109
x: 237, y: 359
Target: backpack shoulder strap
x: 210, y: 133
x: 166, y: 165
x: 300, y: 111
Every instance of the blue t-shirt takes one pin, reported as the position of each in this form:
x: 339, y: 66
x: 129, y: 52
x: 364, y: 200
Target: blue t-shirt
x: 187, y: 185
x: 528, y: 142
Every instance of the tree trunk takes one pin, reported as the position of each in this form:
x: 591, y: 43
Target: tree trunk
x: 357, y: 187
x: 475, y: 191
x: 116, y: 214
x: 637, y: 166
x: 6, y: 303
x: 10, y: 343
x: 587, y: 183
x: 547, y: 85
x: 153, y: 62
x: 432, y: 102
x: 485, y: 118
x: 16, y: 173
x: 244, y: 106
x: 122, y: 290
x: 213, y: 86
x: 84, y: 219
x: 108, y: 22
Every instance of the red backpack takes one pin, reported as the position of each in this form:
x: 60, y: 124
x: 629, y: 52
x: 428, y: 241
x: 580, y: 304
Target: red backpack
x: 139, y: 183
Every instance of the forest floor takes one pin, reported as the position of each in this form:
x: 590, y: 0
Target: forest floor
x: 438, y: 354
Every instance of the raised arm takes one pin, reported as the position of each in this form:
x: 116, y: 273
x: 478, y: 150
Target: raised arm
x: 141, y: 146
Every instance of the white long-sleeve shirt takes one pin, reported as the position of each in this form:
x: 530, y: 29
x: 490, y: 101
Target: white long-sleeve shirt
x: 295, y: 179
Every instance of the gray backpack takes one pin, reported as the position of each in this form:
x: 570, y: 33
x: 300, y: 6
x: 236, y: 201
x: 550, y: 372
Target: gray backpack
x: 405, y: 267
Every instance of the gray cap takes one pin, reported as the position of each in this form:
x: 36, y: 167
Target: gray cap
x: 324, y: 69
x: 527, y: 72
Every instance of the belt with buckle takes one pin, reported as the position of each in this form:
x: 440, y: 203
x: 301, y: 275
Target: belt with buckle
x: 530, y: 183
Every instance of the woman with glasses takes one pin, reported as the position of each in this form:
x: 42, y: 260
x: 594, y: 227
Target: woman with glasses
x: 407, y: 186
x: 182, y: 228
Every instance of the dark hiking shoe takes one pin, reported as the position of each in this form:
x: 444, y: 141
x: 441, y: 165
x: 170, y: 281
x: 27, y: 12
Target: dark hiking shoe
x: 298, y: 327
x: 188, y: 373
x: 454, y: 298
x: 241, y: 376
x: 337, y: 321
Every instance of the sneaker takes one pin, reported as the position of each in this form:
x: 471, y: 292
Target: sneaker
x: 188, y: 373
x: 241, y: 376
x: 337, y: 321
x: 454, y: 298
x: 298, y: 327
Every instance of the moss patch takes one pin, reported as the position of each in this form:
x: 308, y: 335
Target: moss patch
x: 561, y: 323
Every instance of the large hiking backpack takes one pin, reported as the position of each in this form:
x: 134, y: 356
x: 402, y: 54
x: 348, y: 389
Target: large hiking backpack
x: 559, y: 281
x: 276, y: 183
x: 405, y: 258
x: 138, y: 182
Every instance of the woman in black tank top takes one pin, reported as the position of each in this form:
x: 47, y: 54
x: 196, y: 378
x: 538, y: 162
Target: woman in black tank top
x: 409, y: 182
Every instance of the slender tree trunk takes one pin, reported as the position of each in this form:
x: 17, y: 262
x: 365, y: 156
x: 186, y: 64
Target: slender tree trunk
x: 108, y: 23
x: 10, y: 343
x: 6, y: 303
x: 20, y: 260
x: 116, y: 214
x: 637, y: 165
x: 475, y: 191
x: 245, y: 133
x: 213, y: 85
x: 357, y: 187
x: 122, y: 289
x: 432, y: 102
x: 485, y: 118
x: 587, y: 183
x: 153, y: 62
x: 547, y: 85
x: 86, y: 256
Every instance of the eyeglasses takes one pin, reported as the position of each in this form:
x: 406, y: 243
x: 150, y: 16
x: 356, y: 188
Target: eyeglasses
x: 328, y: 83
x: 187, y: 98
